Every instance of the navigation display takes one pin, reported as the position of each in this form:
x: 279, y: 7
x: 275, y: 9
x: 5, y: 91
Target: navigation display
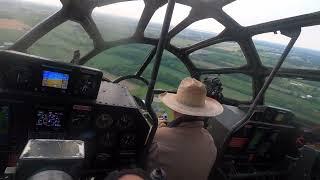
x: 55, y: 79
x: 49, y: 119
x: 4, y: 121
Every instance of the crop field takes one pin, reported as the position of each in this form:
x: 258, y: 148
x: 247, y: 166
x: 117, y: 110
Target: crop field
x: 300, y: 96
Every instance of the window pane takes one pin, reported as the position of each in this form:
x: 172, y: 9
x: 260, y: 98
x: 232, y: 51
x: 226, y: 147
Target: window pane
x: 180, y: 12
x: 235, y: 86
x: 197, y: 32
x: 120, y: 60
x: 306, y: 52
x: 171, y: 72
x: 161, y: 109
x: 136, y: 87
x: 304, y: 55
x: 119, y: 20
x: 62, y: 42
x: 302, y: 97
x: 17, y: 17
x: 226, y: 54
x: 270, y: 46
x: 250, y: 12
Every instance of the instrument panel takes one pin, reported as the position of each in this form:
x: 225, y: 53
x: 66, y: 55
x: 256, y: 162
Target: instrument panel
x: 268, y: 127
x: 43, y: 99
x: 274, y: 115
x: 260, y: 148
x: 34, y: 75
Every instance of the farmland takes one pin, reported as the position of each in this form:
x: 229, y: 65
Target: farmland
x: 301, y: 96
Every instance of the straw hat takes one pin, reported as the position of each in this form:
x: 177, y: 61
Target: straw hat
x: 191, y: 100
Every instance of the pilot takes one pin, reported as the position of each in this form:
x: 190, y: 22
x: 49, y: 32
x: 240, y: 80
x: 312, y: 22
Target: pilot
x: 184, y: 149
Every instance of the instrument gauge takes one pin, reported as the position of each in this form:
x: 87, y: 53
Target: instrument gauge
x: 128, y: 140
x: 104, y: 121
x: 20, y: 77
x: 85, y: 85
x: 107, y: 139
x: 125, y: 122
x: 80, y: 120
x: 103, y: 156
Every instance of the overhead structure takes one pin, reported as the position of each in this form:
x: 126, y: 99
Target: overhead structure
x: 80, y: 11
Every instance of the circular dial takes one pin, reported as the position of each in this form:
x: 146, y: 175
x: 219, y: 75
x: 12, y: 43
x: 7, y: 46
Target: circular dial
x: 20, y: 77
x: 125, y: 122
x: 128, y: 140
x: 80, y: 120
x: 103, y: 156
x: 104, y: 121
x: 85, y: 84
x: 107, y: 139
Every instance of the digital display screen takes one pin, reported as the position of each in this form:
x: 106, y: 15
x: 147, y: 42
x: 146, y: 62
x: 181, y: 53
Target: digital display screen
x: 49, y: 119
x: 4, y: 123
x: 55, y: 79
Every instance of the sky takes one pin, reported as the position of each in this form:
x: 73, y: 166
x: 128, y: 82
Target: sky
x: 245, y: 12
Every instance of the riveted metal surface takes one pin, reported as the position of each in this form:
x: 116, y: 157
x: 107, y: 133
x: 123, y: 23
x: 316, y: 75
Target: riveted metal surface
x: 115, y: 95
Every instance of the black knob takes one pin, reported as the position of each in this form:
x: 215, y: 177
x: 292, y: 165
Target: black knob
x: 158, y: 174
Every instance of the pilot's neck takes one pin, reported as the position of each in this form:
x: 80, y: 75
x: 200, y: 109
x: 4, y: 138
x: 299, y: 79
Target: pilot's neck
x: 177, y: 115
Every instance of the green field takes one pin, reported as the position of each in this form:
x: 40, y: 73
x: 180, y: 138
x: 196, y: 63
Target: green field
x: 300, y: 96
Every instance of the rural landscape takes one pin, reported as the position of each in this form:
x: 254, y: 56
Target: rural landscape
x: 300, y: 96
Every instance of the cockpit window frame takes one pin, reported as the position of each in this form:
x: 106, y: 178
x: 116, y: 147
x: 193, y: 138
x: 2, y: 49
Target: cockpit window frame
x: 80, y: 12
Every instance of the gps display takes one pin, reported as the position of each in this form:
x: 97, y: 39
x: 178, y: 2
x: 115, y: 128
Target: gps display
x: 49, y: 119
x: 55, y: 79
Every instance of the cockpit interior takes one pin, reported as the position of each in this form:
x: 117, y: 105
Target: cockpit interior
x: 74, y: 104
x: 44, y: 99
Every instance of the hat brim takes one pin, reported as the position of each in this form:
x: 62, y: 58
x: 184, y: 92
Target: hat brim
x: 210, y: 109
